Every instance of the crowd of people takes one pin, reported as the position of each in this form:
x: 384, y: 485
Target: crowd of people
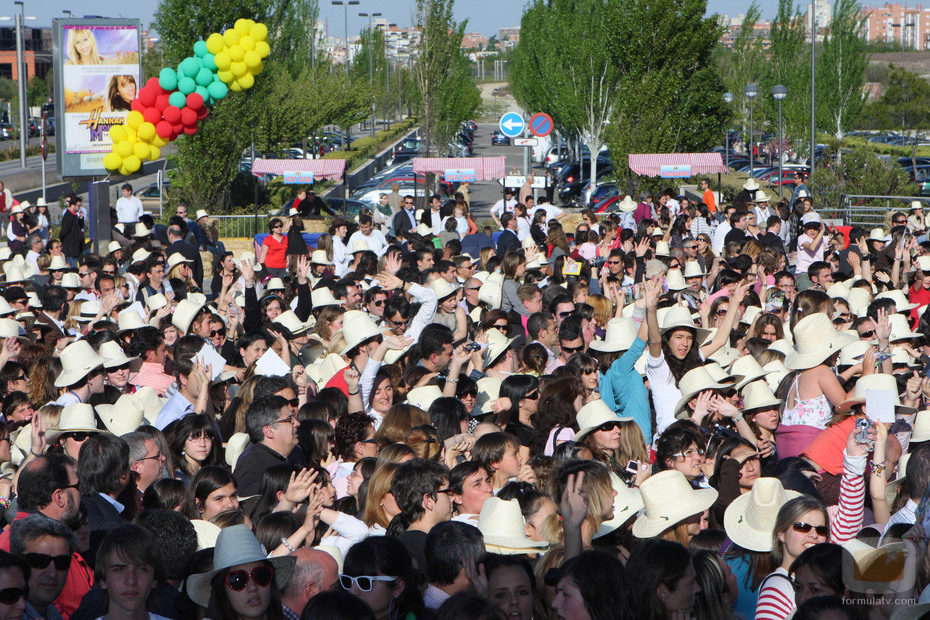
x: 615, y: 419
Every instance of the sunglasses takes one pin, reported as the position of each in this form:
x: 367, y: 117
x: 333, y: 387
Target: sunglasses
x: 400, y: 323
x: 217, y: 332
x: 609, y: 426
x: 613, y: 262
x: 867, y: 334
x: 566, y: 313
x: 804, y: 528
x: 40, y: 561
x: 572, y: 349
x: 78, y: 436
x: 500, y: 326
x: 10, y: 596
x: 238, y: 579
x: 363, y: 582
x: 378, y: 303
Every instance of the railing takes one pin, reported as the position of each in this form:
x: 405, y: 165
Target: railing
x: 241, y: 226
x: 873, y: 211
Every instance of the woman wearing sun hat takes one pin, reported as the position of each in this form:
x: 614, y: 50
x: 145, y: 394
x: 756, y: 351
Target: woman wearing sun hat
x: 673, y: 510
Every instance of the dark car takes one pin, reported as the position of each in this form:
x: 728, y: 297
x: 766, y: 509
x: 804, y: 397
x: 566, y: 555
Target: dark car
x: 352, y: 207
x: 6, y: 131
x: 603, y: 191
x: 498, y: 138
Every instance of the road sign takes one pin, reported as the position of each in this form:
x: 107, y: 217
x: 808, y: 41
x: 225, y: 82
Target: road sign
x: 525, y: 141
x: 460, y: 175
x: 512, y: 124
x: 298, y: 178
x: 541, y: 124
x: 539, y: 182
x: 675, y: 171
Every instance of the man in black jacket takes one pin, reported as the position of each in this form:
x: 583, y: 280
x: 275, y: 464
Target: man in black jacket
x: 71, y: 232
x: 177, y: 244
x: 508, y: 239
x: 405, y: 220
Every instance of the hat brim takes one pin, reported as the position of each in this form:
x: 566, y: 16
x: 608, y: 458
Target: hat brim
x: 52, y: 434
x: 803, y: 361
x: 738, y: 528
x: 699, y: 501
x: 700, y: 334
x: 70, y: 377
x: 199, y: 585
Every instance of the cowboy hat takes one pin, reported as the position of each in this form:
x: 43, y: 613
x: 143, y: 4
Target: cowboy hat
x: 206, y: 533
x: 114, y: 357
x: 141, y: 231
x: 201, y: 213
x: 235, y: 447
x: 761, y: 196
x: 878, y: 234
x: 357, y: 327
x: 619, y: 336
x: 693, y: 269
x: 237, y: 545
x: 322, y: 297
x: 288, y: 319
x: 156, y: 302
x: 680, y: 317
x: 747, y: 369
x: 325, y: 368
x: 504, y: 529
x: 58, y: 263
x: 751, y: 184
x: 174, y: 260
x: 694, y: 382
x: 593, y: 415
x: 668, y: 499
x: 274, y: 284
x: 78, y: 360
x: 89, y: 310
x: 124, y: 416
x: 757, y: 395
x: 627, y: 503
x: 750, y: 519
x: 423, y: 396
x: 75, y: 418
x: 662, y: 248
x: 815, y: 340
x: 128, y: 320
x: 70, y: 280
x: 442, y: 288
x: 113, y: 246
x: 184, y: 314
x: 627, y: 205
x: 498, y: 344
x: 674, y: 280
x: 878, y: 381
x: 491, y: 291
x: 900, y: 301
x: 319, y: 257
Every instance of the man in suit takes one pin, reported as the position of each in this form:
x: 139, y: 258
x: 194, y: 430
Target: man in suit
x: 435, y: 215
x: 103, y: 474
x: 71, y: 232
x: 508, y: 239
x: 405, y: 220
x: 51, y: 319
x: 177, y: 244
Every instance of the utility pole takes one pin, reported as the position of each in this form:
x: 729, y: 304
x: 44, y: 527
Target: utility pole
x: 813, y: 91
x: 20, y: 71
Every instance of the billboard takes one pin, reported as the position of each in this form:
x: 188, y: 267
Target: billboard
x: 98, y: 72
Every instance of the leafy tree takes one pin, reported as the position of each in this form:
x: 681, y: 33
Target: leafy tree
x: 842, y: 66
x: 746, y: 63
x: 905, y: 106
x: 859, y: 171
x: 37, y: 91
x: 7, y: 89
x: 788, y: 65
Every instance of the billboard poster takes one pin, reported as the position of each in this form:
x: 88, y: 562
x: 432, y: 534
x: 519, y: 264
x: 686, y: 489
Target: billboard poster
x: 98, y: 73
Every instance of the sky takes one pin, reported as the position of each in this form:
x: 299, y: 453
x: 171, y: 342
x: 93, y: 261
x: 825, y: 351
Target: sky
x: 485, y: 16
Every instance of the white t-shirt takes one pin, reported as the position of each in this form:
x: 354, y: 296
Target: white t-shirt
x: 128, y: 210
x: 523, y: 228
x: 806, y: 257
x: 500, y: 208
x: 376, y: 242
x: 551, y: 211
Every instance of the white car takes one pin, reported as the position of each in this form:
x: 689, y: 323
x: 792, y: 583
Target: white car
x: 372, y: 196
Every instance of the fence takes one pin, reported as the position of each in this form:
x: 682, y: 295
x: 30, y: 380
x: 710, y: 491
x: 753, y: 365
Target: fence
x: 873, y: 211
x: 241, y: 226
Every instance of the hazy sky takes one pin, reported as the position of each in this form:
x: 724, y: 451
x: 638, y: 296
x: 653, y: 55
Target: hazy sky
x: 485, y: 16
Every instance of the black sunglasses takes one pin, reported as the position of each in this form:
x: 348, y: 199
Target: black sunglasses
x: 40, y: 561
x: 609, y: 426
x: 566, y: 313
x: 77, y: 436
x: 238, y: 579
x: 804, y: 528
x: 10, y: 596
x: 572, y: 349
x: 217, y: 332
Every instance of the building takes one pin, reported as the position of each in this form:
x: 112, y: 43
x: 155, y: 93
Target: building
x: 474, y: 41
x: 897, y: 23
x: 823, y: 12
x: 511, y: 36
x: 37, y: 52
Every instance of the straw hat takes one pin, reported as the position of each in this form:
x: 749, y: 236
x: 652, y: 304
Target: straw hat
x: 750, y: 519
x: 627, y: 205
x: 124, y: 416
x: 725, y: 355
x: 761, y: 196
x: 151, y: 402
x: 678, y: 316
x: 747, y: 369
x: 78, y: 359
x: 911, y: 612
x: 923, y: 263
x: 838, y: 290
x: 75, y: 418
x: 675, y: 281
x: 113, y: 246
x: 489, y: 390
x: 325, y: 368
x: 852, y: 353
x: 668, y: 499
x: 9, y: 328
x: 237, y: 545
x: 360, y: 245
x: 156, y: 302
x: 58, y: 263
x: 627, y: 503
x: 900, y: 329
x: 782, y: 345
x: 19, y: 273
x: 235, y: 447
x: 751, y: 184
x: 89, y: 310
x: 423, y: 396
x: 662, y: 248
x: 128, y: 320
x: 442, y: 288
x: 19, y: 207
x: 357, y: 327
x: 774, y: 373
x: 718, y: 374
x: 878, y: 381
x: 184, y: 314
x: 141, y: 231
x: 114, y: 357
x: 916, y: 204
x: 207, y: 533
x: 921, y: 427
x: 810, y: 218
x: 70, y: 280
x: 318, y: 257
x: 504, y: 529
x: 900, y: 357
x: 288, y: 319
x: 322, y: 297
x: 694, y: 382
x: 757, y: 395
x: 498, y: 344
x: 693, y: 269
x: 750, y: 314
x: 876, y: 565
x: 878, y: 234
x: 491, y: 291
x: 593, y: 415
x: 900, y: 301
x: 815, y: 340
x: 201, y: 213
x: 174, y: 260
x: 620, y: 334
x: 274, y: 284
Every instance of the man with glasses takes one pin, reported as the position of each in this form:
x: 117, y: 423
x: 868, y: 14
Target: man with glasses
x: 145, y: 459
x: 128, y: 210
x: 272, y: 427
x: 615, y: 263
x: 405, y: 220
x: 47, y: 546
x: 472, y: 288
x: 464, y: 268
x: 562, y: 307
x: 375, y: 298
x: 571, y: 339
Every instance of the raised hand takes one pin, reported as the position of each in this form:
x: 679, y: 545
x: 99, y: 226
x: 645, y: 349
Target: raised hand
x: 389, y: 281
x: 574, y: 503
x: 248, y: 270
x: 392, y: 263
x: 352, y: 377
x: 300, y: 485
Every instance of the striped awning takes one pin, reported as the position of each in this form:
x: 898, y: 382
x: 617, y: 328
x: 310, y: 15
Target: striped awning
x: 321, y: 168
x: 650, y: 165
x: 486, y: 168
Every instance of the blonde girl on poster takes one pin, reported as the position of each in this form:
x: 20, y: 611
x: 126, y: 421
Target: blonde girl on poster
x: 82, y: 48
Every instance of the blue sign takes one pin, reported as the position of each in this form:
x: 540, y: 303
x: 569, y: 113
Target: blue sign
x: 682, y: 171
x: 298, y: 178
x: 512, y: 124
x: 460, y: 175
x: 541, y: 124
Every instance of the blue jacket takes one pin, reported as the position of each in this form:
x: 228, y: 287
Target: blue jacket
x: 623, y: 390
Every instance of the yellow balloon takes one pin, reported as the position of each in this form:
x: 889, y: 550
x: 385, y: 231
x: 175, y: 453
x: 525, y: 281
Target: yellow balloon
x: 235, y: 53
x: 252, y: 59
x: 239, y: 69
x: 246, y: 81
x: 231, y: 37
x: 215, y: 43
x: 112, y: 161
x: 146, y: 132
x: 141, y: 149
x: 262, y: 48
x: 258, y: 69
x: 117, y: 133
x: 242, y: 26
x: 222, y: 61
x: 123, y: 170
x: 159, y: 141
x: 155, y: 153
x: 124, y: 149
x: 132, y: 164
x: 234, y: 86
x: 131, y: 136
x: 134, y: 119
x: 225, y: 76
x: 247, y: 42
x: 259, y: 32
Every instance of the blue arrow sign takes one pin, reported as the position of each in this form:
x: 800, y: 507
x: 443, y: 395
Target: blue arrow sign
x: 512, y: 124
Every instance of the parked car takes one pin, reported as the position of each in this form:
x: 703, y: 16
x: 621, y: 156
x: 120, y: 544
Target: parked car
x: 602, y: 192
x: 150, y: 195
x: 499, y: 139
x: 6, y: 131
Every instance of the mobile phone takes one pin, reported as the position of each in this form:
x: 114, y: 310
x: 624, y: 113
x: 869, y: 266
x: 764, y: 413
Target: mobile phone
x: 472, y: 346
x: 862, y: 431
x: 632, y: 468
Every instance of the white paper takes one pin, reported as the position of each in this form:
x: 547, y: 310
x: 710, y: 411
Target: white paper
x: 879, y: 405
x: 271, y: 365
x: 209, y: 357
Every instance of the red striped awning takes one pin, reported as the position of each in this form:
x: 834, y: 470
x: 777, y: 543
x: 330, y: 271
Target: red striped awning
x: 650, y: 165
x: 486, y: 168
x: 321, y: 168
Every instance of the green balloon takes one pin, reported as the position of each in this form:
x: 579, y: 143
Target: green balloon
x: 168, y: 79
x: 209, y: 61
x: 186, y: 85
x: 189, y: 67
x: 203, y: 92
x: 204, y: 77
x: 177, y: 99
x: 217, y: 89
x: 200, y: 48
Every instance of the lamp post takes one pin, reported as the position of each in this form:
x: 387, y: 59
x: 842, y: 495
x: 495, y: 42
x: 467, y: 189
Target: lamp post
x: 21, y: 73
x: 345, y: 5
x: 779, y: 92
x: 728, y: 99
x: 813, y: 90
x: 751, y: 91
x: 371, y: 56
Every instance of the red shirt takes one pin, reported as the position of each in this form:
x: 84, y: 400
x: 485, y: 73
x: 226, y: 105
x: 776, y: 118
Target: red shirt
x: 276, y: 258
x: 920, y: 296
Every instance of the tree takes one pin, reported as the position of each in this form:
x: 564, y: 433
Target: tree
x: 842, y: 68
x: 789, y: 66
x: 859, y: 172
x: 904, y: 106
x: 37, y: 92
x: 746, y: 63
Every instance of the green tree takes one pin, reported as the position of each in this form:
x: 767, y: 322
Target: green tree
x: 789, y: 66
x: 37, y: 91
x: 904, y: 106
x: 7, y: 89
x: 842, y: 69
x: 745, y: 63
x: 859, y: 171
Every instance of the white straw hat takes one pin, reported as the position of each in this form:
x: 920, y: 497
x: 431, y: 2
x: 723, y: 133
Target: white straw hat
x: 207, y: 533
x: 662, y: 248
x: 758, y: 395
x: 747, y: 369
x: 156, y: 302
x: 815, y: 341
x: 921, y: 427
x: 694, y: 382
x: 504, y: 529
x: 782, y: 345
x: 322, y: 297
x: 78, y: 359
x: 9, y: 328
x: 113, y: 246
x: 852, y: 353
x: 140, y: 255
x: 675, y: 281
x: 58, y: 263
x: 128, y: 320
x: 876, y: 381
x: 325, y: 368
x: 124, y: 416
x: 174, y: 260
x: 751, y: 184
x: 318, y: 257
x: 184, y: 314
x: 693, y: 269
x: 89, y: 310
x: 900, y: 329
x: 235, y: 447
x: 627, y: 503
x: 775, y: 372
x: 627, y: 205
x: 141, y: 231
x: 668, y: 499
x: 619, y: 336
x: 750, y: 519
x: 593, y: 415
x: 423, y: 396
x: 201, y: 213
x: 70, y: 280
x: 75, y: 418
x: 498, y: 344
x: 357, y: 327
x: 489, y: 389
x: 442, y: 288
x: 288, y: 319
x: 718, y: 374
x: 114, y: 357
x: 678, y: 316
x: 900, y: 301
x: 491, y: 291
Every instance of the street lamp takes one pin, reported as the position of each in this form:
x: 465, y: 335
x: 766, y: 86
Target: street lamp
x: 21, y: 73
x: 728, y: 99
x: 345, y: 4
x: 779, y: 92
x: 371, y: 55
x: 751, y: 91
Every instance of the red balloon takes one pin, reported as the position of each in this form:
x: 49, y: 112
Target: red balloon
x: 172, y: 114
x: 163, y: 129
x: 161, y: 102
x: 190, y: 130
x: 137, y: 106
x: 202, y: 113
x: 151, y: 115
x: 153, y: 84
x: 177, y: 129
x: 147, y: 96
x: 188, y: 117
x: 194, y: 101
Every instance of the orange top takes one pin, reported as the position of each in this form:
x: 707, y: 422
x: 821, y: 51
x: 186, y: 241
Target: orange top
x: 710, y: 201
